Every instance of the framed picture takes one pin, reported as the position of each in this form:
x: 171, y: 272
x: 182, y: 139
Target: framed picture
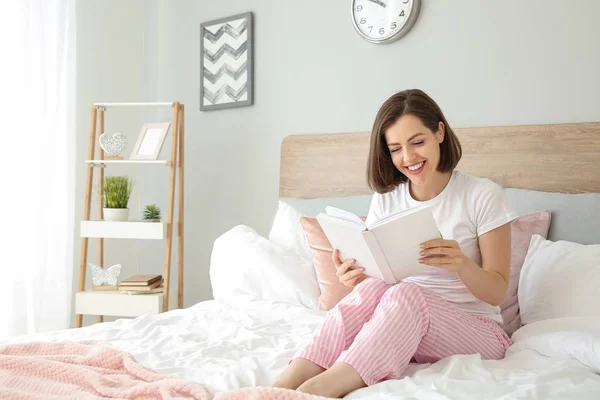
x: 226, y: 62
x: 150, y: 141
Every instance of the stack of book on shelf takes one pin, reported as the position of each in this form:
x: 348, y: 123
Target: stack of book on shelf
x: 142, y: 284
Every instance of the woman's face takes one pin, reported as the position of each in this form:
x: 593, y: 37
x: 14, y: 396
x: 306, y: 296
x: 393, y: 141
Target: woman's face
x: 414, y: 148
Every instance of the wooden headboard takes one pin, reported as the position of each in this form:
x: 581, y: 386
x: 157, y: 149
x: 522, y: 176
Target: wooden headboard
x: 554, y: 158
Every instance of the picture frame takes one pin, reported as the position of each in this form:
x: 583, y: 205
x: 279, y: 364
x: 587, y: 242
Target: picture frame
x: 150, y: 141
x: 227, y: 62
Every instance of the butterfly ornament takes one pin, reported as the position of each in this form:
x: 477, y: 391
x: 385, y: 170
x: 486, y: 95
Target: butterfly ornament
x: 105, y: 276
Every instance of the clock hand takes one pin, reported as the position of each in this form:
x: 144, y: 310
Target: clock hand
x: 379, y: 2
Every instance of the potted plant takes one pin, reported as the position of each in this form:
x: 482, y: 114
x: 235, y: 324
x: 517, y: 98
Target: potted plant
x: 151, y: 213
x: 117, y: 190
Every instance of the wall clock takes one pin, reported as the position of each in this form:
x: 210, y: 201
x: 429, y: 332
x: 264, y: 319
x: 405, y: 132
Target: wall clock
x: 384, y: 21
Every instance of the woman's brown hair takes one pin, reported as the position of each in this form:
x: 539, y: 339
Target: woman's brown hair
x: 382, y: 175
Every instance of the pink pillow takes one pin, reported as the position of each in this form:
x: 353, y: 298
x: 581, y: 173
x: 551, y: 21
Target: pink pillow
x: 332, y: 291
x: 522, y: 229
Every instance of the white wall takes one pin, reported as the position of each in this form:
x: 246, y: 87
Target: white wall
x: 486, y: 63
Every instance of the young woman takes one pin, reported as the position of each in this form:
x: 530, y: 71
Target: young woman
x: 375, y: 331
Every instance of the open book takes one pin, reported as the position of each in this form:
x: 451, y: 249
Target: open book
x: 387, y: 249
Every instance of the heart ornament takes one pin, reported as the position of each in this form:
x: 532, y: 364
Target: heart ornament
x: 113, y: 145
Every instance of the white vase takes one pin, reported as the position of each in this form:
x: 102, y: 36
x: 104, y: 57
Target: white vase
x: 116, y: 214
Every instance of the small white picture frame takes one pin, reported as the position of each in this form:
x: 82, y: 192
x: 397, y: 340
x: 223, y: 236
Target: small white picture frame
x: 150, y: 141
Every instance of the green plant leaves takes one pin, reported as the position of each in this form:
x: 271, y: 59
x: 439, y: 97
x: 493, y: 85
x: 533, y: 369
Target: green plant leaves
x: 152, y: 212
x: 117, y: 190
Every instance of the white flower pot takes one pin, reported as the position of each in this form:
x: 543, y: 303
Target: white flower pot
x: 116, y: 214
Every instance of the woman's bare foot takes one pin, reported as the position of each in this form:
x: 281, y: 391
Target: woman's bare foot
x: 299, y: 371
x: 337, y: 381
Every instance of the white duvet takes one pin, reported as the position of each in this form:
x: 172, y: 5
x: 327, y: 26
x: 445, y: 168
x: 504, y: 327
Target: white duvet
x: 249, y: 342
x: 242, y: 340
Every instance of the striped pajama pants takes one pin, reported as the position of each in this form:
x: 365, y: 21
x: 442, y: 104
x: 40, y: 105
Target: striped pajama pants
x: 378, y: 328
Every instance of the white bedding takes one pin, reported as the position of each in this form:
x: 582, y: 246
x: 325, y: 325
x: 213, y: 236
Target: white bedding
x: 229, y: 345
x: 242, y: 340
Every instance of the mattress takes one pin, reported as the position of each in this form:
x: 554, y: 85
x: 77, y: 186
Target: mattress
x: 247, y: 342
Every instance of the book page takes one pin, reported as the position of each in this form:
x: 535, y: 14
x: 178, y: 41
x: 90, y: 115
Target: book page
x: 345, y: 215
x: 395, y: 216
x: 400, y: 240
x: 386, y: 272
x: 347, y: 237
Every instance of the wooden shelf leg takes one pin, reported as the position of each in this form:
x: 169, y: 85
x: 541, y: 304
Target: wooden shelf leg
x: 86, y: 211
x: 173, y: 170
x: 100, y: 195
x: 180, y: 225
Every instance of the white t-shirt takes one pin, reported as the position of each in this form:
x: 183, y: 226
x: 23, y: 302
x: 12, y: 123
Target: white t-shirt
x: 467, y: 208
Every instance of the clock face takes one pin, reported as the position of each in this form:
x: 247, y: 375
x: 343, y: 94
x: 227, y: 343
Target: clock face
x: 383, y: 21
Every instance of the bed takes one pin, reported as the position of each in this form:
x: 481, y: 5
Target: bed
x: 266, y: 292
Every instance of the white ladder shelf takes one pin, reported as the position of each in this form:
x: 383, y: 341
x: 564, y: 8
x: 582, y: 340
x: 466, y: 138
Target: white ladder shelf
x: 117, y: 303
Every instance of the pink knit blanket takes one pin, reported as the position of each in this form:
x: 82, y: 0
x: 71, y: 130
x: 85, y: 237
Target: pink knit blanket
x: 91, y: 370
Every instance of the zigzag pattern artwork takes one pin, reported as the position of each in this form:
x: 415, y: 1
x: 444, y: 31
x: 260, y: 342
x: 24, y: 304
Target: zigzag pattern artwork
x: 225, y: 28
x: 226, y: 61
x: 226, y: 48
x: 225, y: 70
x: 226, y: 90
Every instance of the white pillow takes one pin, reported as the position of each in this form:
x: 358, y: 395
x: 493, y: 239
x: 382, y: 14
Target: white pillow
x: 287, y: 232
x: 244, y: 263
x: 559, y: 279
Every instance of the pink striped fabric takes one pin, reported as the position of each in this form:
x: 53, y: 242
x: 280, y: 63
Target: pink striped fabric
x: 378, y: 328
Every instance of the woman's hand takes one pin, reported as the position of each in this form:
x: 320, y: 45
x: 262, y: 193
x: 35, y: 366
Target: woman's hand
x: 444, y: 254
x: 348, y: 277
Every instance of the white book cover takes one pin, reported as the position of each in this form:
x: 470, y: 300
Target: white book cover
x: 389, y: 248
